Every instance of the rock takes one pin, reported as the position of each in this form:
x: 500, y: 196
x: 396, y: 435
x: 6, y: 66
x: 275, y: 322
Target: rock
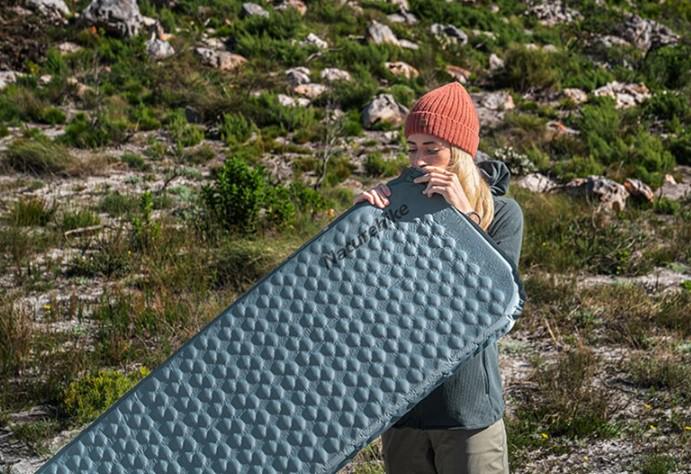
x: 495, y: 63
x: 222, y: 60
x: 159, y: 49
x: 315, y: 40
x: 486, y: 34
x: 67, y: 47
x: 625, y: 95
x: 403, y: 17
x: 54, y: 9
x: 384, y: 108
x: 296, y: 4
x: 553, y: 12
x: 491, y: 106
x: 556, y: 128
x: 8, y: 77
x: 380, y: 33
x: 45, y: 79
x: 609, y: 41
x: 448, y: 34
x: 252, y: 9
x: 404, y: 43
x: 610, y: 194
x: 646, y: 34
x: 458, y: 73
x: 639, y: 189
x: 311, y: 90
x: 298, y: 75
x: 498, y: 100
x: 81, y: 89
x: 673, y: 190
x: 118, y: 17
x: 402, y: 4
x: 535, y: 182
x: 399, y: 68
x: 332, y: 74
x: 577, y: 96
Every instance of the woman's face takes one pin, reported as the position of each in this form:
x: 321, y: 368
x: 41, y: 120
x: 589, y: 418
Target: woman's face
x: 426, y: 149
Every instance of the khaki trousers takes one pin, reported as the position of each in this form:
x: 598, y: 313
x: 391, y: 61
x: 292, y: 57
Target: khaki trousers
x: 455, y: 451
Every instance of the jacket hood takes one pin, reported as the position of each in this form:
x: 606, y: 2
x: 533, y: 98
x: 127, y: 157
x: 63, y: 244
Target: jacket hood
x: 497, y: 174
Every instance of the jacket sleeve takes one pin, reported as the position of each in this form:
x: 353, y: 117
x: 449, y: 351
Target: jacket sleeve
x: 507, y: 228
x: 507, y: 231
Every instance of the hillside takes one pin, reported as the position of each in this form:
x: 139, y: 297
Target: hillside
x: 158, y: 157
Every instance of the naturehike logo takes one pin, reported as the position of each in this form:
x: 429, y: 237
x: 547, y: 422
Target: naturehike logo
x: 389, y: 218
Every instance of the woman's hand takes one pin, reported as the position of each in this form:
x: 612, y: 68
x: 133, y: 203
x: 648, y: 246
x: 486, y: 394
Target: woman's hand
x: 444, y: 182
x: 376, y: 196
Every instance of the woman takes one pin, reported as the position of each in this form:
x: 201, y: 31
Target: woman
x: 458, y: 428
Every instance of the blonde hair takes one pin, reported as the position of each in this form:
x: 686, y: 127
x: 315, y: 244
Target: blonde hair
x: 475, y: 186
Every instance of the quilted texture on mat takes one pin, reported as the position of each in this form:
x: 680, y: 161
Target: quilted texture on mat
x: 321, y: 355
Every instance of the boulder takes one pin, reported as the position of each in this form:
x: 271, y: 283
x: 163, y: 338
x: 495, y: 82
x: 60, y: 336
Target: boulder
x: 458, y: 73
x: 404, y: 43
x: 287, y: 101
x: 553, y: 12
x: 577, y: 96
x: 495, y: 63
x: 671, y: 189
x: 296, y: 4
x: 639, y: 189
x: 314, y: 40
x: 399, y: 68
x: 383, y: 108
x: 610, y: 194
x: 625, y: 95
x: 252, y: 9
x: 298, y: 75
x: 380, y: 33
x: 222, y: 60
x: 646, y: 34
x: 310, y: 90
x: 448, y: 34
x: 8, y: 77
x: 492, y: 106
x: 118, y: 17
x: 54, y: 9
x: 402, y: 17
x: 535, y: 182
x: 332, y: 74
x: 159, y: 49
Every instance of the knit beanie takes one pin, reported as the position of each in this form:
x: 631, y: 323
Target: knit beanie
x: 446, y: 112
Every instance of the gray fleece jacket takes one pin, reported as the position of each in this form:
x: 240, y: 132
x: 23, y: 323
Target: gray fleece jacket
x: 473, y: 396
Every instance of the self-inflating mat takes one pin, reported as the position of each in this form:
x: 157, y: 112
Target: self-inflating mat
x: 322, y: 354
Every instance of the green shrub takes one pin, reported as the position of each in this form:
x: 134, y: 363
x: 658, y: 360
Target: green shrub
x: 16, y: 329
x: 200, y: 155
x: 658, y: 464
x: 518, y: 163
x: 30, y: 212
x: 78, y: 219
x: 89, y: 396
x: 577, y: 167
x: 97, y: 131
x: 40, y: 156
x: 669, y: 66
x: 265, y: 111
x: 237, y: 194
x: 236, y: 129
x: 144, y: 118
x: 526, y: 69
x: 117, y: 204
x: 135, y: 161
x: 181, y: 132
x: 662, y: 373
x: 376, y: 165
x: 680, y: 147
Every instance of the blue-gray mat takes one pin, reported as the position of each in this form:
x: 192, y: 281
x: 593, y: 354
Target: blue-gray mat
x: 321, y: 355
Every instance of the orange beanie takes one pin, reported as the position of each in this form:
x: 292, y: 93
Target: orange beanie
x: 446, y: 112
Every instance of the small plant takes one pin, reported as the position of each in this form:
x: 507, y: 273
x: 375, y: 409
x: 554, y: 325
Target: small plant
x: 236, y: 129
x: 31, y: 211
x: 89, y: 396
x: 116, y: 204
x: 40, y: 156
x: 376, y: 165
x: 145, y: 231
x: 182, y: 132
x: 78, y: 219
x: 15, y: 337
x: 518, y: 163
x: 135, y: 162
x: 99, y: 130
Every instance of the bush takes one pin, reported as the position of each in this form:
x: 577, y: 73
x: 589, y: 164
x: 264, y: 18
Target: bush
x: 40, y: 156
x: 236, y: 129
x: 577, y: 167
x: 30, y: 212
x: 15, y: 337
x: 526, y: 69
x: 135, y: 161
x: 376, y: 165
x: 668, y: 67
x: 86, y: 398
x: 97, y: 131
x: 518, y: 163
x: 237, y: 195
x: 181, y: 132
x: 78, y: 219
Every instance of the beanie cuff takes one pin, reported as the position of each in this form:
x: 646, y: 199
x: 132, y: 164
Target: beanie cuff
x: 454, y: 132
